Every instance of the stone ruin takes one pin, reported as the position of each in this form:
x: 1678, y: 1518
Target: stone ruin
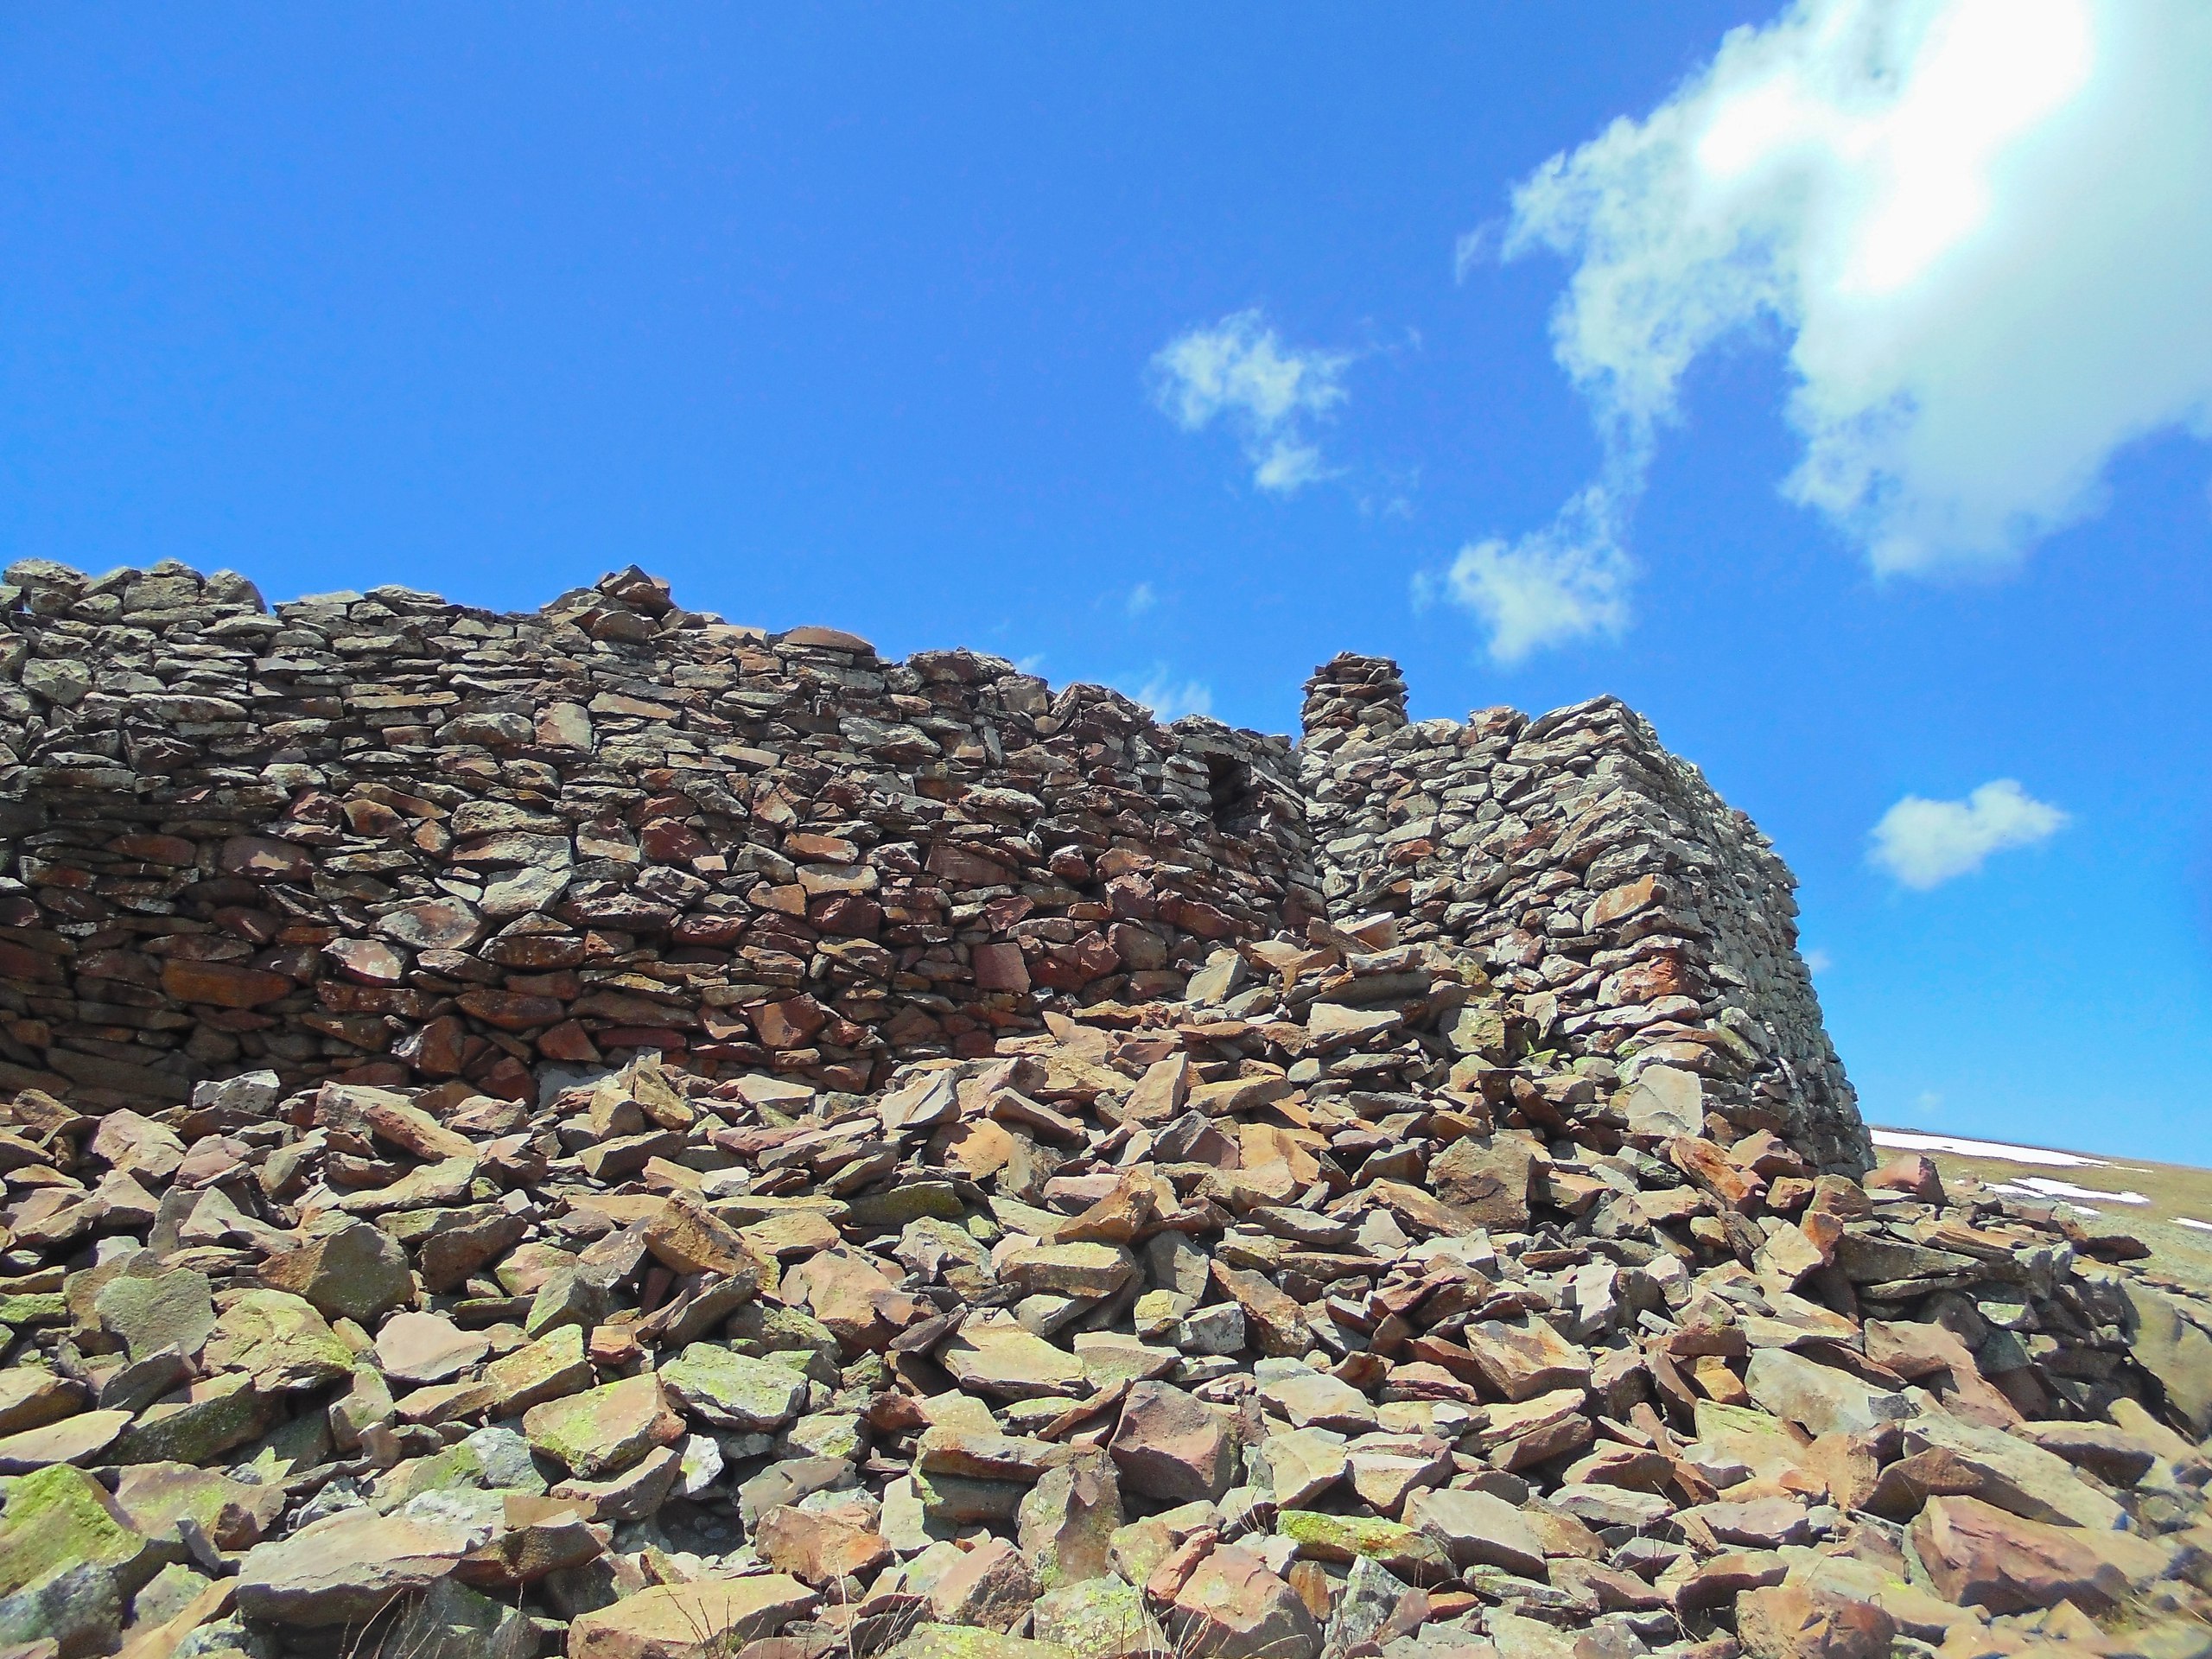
x: 391, y: 841
x: 612, y: 1132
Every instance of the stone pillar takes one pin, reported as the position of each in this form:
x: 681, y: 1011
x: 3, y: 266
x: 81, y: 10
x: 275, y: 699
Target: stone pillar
x: 1351, y: 693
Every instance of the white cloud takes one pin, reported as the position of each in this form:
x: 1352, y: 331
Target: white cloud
x: 1239, y: 372
x: 1033, y: 664
x: 1929, y: 1104
x: 1170, y: 701
x: 1561, y: 583
x: 1925, y: 843
x: 1818, y: 962
x: 1980, y: 227
x: 1141, y: 599
x: 1287, y: 467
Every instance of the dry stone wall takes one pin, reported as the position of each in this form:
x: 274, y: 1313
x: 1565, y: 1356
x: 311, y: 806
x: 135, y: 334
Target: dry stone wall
x: 392, y: 840
x: 1629, y: 917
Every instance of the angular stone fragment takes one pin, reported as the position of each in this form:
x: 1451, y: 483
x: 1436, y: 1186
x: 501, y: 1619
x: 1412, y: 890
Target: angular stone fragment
x: 1413, y: 1556
x: 217, y: 1413
x: 31, y: 1397
x: 1169, y: 1446
x: 1065, y: 1524
x: 1980, y: 1556
x: 1316, y: 1399
x: 990, y: 1587
x: 1305, y: 1463
x: 820, y: 1547
x: 604, y: 1430
x: 1008, y: 1362
x: 355, y: 1272
x: 702, y: 1619
x: 1525, y: 1358
x: 1098, y: 1617
x: 280, y: 1341
x: 1491, y: 1180
x: 548, y: 1368
x: 60, y: 1517
x: 1232, y: 1607
x: 853, y: 1295
x: 947, y: 1449
x: 153, y: 1311
x: 730, y: 1390
x: 1789, y: 1621
x: 1275, y: 1324
x: 427, y: 1347
x: 689, y: 1238
x: 1088, y: 1270
x: 2173, y: 1350
x: 348, y: 1567
x: 1478, y: 1529
x: 234, y: 1514
x: 1818, y: 1399
x: 78, y: 1440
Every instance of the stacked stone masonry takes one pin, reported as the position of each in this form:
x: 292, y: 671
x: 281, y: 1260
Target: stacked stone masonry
x: 395, y: 840
x: 390, y: 840
x: 1624, y: 905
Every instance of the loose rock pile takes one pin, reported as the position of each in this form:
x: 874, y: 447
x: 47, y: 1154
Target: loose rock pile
x: 1211, y: 1327
x: 1394, y: 1200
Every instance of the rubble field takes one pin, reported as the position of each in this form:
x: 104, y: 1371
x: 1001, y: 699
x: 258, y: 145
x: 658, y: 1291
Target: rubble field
x: 1099, y: 1345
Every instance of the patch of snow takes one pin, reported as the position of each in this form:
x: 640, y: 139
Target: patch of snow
x: 2043, y: 1186
x: 1908, y: 1141
x: 2069, y: 1191
x: 2200, y: 1226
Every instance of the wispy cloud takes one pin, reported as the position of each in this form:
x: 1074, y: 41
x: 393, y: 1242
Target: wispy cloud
x: 1238, y: 372
x: 1170, y: 701
x: 1141, y: 597
x: 1818, y: 962
x: 1566, y: 581
x: 1978, y: 225
x: 1924, y: 843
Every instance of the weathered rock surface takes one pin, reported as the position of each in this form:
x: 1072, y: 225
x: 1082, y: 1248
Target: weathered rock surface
x: 610, y: 1133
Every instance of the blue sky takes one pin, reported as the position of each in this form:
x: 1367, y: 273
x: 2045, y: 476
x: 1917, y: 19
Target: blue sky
x: 983, y: 325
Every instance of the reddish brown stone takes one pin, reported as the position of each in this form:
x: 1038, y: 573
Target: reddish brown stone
x: 366, y: 962
x: 224, y: 984
x: 260, y: 859
x: 16, y: 963
x: 848, y: 916
x: 709, y: 929
x: 1909, y: 1171
x: 672, y: 842
x: 432, y: 923
x: 1171, y: 1445
x: 568, y: 1041
x: 1794, y: 1621
x: 791, y: 1023
x: 509, y: 1010
x: 999, y: 967
x: 173, y: 850
x: 1979, y: 1556
x: 1655, y: 977
x: 820, y: 1547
